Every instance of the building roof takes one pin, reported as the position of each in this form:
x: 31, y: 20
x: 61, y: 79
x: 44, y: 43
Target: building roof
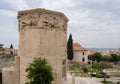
x: 78, y: 47
x: 8, y: 49
x: 91, y: 52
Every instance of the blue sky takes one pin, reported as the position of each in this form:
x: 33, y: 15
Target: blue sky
x: 93, y: 23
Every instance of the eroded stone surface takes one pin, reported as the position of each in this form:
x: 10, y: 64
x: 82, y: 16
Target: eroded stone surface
x: 42, y: 34
x: 41, y: 18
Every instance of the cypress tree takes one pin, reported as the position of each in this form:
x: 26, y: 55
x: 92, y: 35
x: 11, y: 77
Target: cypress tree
x: 11, y: 46
x: 70, y: 48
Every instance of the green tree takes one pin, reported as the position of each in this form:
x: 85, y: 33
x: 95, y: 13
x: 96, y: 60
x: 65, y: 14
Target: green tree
x: 70, y: 48
x: 91, y: 57
x: 39, y: 72
x: 115, y: 58
x: 95, y: 57
x: 107, y: 58
x: 101, y: 65
x: 1, y: 46
x: 119, y: 57
x: 11, y: 46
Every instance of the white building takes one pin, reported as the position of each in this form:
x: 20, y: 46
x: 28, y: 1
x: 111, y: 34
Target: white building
x: 80, y: 54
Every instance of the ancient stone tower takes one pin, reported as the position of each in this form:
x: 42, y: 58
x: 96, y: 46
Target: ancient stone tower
x: 43, y: 33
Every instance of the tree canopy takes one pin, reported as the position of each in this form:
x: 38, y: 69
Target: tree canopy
x: 91, y: 57
x: 115, y: 58
x: 95, y: 57
x: 70, y: 48
x: 11, y: 46
x: 107, y: 58
x: 1, y: 45
x: 101, y: 65
x: 39, y: 72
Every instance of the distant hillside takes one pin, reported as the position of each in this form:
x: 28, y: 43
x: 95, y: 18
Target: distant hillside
x: 102, y: 49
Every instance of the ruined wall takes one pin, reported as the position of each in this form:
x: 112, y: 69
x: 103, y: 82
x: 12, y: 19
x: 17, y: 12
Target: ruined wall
x: 10, y: 75
x: 43, y: 33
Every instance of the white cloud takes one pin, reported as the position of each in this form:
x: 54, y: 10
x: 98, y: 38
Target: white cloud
x: 92, y: 22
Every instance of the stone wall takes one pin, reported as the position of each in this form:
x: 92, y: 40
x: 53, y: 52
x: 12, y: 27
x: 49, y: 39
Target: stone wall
x: 43, y: 33
x: 10, y: 75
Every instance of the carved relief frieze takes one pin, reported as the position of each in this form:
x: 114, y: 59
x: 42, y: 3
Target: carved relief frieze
x: 42, y: 20
x: 49, y: 21
x: 28, y: 21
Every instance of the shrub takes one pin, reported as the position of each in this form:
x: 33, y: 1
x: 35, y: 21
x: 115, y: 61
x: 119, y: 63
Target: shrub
x: 85, y: 70
x: 101, y: 66
x: 93, y: 74
x: 106, y: 82
x: 39, y: 72
x: 102, y: 76
x: 118, y: 82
